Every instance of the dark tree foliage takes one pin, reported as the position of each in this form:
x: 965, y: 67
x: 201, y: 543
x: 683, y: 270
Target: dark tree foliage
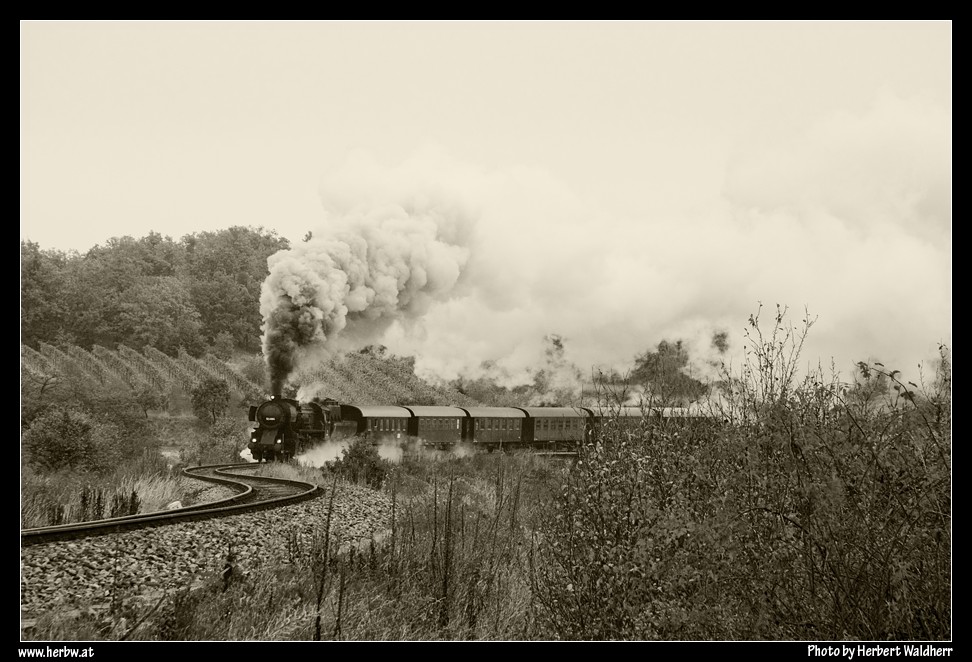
x: 720, y: 340
x: 42, y: 306
x: 150, y: 399
x: 662, y: 372
x: 68, y: 438
x: 103, y: 289
x: 149, y: 291
x: 158, y: 312
x: 227, y: 269
x: 210, y: 398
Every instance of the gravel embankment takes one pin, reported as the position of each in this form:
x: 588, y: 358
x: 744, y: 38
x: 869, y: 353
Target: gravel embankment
x: 62, y: 576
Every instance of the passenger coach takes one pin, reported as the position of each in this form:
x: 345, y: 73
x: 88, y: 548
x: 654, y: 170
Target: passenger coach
x: 440, y: 427
x: 556, y: 428
x: 491, y: 427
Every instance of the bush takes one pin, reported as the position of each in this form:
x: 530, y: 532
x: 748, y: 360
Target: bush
x: 633, y: 546
x: 210, y: 398
x: 809, y: 517
x: 67, y: 438
x: 150, y: 399
x: 361, y: 463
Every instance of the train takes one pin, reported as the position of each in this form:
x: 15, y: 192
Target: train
x: 284, y: 428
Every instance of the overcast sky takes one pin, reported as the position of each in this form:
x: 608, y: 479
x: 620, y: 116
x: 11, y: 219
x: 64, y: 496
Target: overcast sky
x: 617, y: 183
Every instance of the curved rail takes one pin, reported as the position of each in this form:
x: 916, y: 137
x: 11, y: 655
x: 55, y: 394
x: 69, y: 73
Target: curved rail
x: 254, y: 493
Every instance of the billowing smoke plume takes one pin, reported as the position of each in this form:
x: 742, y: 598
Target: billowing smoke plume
x: 367, y: 268
x: 848, y: 219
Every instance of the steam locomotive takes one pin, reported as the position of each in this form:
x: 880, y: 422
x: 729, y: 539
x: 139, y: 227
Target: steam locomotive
x: 285, y: 427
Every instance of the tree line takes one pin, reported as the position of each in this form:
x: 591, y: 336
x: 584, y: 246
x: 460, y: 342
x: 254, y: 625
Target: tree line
x: 200, y: 292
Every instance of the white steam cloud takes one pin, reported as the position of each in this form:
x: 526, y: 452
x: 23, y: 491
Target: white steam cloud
x: 374, y: 263
x: 456, y: 266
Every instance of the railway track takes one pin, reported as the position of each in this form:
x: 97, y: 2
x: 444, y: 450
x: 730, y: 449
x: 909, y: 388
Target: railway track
x: 252, y: 493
